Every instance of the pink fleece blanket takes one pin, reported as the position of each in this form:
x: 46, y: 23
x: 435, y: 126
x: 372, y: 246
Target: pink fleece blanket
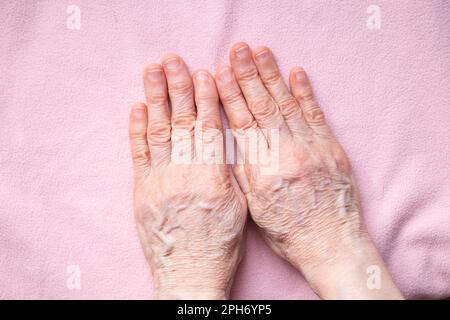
x: 70, y: 70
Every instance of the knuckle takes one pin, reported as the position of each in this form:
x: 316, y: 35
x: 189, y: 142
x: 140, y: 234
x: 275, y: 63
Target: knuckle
x: 136, y: 133
x: 206, y: 99
x: 184, y: 121
x: 231, y: 97
x: 159, y: 134
x: 181, y: 88
x: 140, y: 155
x: 262, y: 107
x: 157, y: 99
x: 307, y: 94
x: 315, y: 116
x: 247, y: 75
x: 288, y: 106
x: 271, y: 78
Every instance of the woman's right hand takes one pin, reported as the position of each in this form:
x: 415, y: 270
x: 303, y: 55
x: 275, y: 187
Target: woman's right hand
x: 301, y: 192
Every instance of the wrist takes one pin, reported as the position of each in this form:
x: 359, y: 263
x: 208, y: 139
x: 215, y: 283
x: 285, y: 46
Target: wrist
x: 354, y: 271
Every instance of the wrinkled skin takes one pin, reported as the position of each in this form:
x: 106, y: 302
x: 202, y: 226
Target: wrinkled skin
x: 190, y: 215
x: 301, y: 191
x: 310, y: 204
x: 309, y: 200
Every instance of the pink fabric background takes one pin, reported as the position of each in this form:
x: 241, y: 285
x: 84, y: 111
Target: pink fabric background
x: 65, y: 171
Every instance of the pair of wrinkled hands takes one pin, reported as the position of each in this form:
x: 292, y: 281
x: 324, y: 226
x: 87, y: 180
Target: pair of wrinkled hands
x: 191, y: 202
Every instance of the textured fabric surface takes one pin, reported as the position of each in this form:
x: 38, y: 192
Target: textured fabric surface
x: 65, y: 170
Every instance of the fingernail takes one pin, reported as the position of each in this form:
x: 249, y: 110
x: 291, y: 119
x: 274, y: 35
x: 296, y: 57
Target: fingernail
x: 242, y: 53
x: 172, y: 64
x: 154, y: 75
x: 201, y: 76
x: 264, y: 55
x: 300, y: 74
x: 225, y: 75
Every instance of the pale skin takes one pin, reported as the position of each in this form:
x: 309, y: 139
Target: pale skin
x: 191, y: 216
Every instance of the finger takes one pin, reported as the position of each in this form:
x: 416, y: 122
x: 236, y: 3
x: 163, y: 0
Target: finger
x: 233, y: 101
x: 181, y: 95
x: 302, y: 91
x: 260, y: 103
x: 206, y: 100
x: 209, y: 144
x: 239, y: 116
x: 272, y: 79
x: 159, y: 128
x: 181, y: 92
x: 137, y: 130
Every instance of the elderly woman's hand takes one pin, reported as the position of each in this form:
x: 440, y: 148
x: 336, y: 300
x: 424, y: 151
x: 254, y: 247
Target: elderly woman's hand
x: 300, y: 191
x: 189, y: 208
